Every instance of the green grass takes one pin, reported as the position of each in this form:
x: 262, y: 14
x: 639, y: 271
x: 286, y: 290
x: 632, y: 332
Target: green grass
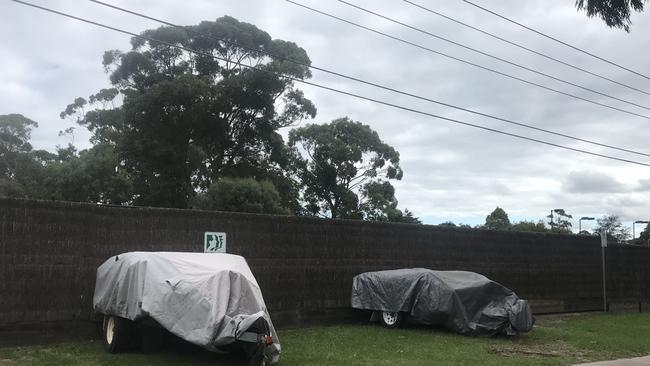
x: 556, y: 340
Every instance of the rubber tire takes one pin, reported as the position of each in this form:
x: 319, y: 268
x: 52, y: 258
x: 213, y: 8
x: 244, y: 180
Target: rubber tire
x: 255, y: 352
x: 117, y: 333
x: 152, y: 339
x: 256, y: 355
x: 390, y: 319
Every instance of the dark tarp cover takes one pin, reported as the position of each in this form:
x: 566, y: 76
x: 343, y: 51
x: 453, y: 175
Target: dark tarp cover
x: 465, y: 302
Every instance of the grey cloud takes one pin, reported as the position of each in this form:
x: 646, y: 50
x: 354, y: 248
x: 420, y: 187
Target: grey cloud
x: 592, y: 182
x: 499, y: 188
x: 626, y: 201
x: 628, y: 208
x: 644, y: 185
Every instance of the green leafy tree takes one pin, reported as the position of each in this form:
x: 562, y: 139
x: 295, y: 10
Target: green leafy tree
x: 497, y: 220
x: 530, y: 226
x: 89, y: 176
x: 92, y: 175
x: 460, y: 225
x: 22, y: 169
x: 334, y: 161
x: 179, y: 121
x: 11, y: 189
x: 560, y: 221
x: 378, y: 203
x: 615, y: 13
x: 611, y: 224
x: 241, y: 195
x: 407, y: 217
x: 15, y: 133
x: 282, y: 179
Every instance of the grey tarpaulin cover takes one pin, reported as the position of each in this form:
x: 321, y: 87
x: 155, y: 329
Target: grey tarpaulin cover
x: 209, y: 299
x: 465, y: 302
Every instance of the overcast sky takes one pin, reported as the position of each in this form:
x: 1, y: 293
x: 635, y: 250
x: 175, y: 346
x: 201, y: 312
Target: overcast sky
x: 452, y: 172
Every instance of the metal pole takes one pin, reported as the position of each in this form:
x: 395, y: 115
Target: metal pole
x: 634, y: 227
x: 604, y: 283
x: 603, y: 245
x: 579, y: 226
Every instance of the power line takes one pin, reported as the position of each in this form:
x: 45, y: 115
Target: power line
x: 556, y: 39
x: 465, y: 61
x: 383, y: 87
x: 512, y: 63
x: 519, y: 45
x: 358, y: 96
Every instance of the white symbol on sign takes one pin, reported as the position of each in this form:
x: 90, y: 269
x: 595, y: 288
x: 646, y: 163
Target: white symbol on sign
x: 212, y: 242
x: 215, y: 242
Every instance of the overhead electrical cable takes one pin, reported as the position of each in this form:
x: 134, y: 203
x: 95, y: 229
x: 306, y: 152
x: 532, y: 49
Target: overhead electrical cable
x: 357, y: 96
x: 365, y: 82
x: 486, y: 54
x: 557, y: 40
x: 384, y: 34
x: 521, y: 46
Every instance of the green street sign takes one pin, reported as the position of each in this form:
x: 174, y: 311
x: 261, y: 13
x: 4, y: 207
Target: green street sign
x: 214, y: 242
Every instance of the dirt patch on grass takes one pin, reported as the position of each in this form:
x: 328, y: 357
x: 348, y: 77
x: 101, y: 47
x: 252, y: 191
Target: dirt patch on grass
x: 556, y: 349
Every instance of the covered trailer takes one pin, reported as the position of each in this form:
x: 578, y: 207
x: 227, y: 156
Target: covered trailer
x: 465, y: 302
x: 211, y: 300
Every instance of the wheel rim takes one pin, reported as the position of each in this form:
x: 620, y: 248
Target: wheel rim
x: 110, y: 329
x: 390, y: 318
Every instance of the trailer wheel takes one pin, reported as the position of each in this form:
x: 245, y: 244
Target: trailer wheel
x: 152, y: 338
x: 255, y: 352
x: 391, y: 319
x: 117, y: 333
x: 256, y: 358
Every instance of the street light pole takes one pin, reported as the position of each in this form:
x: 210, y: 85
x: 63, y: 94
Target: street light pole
x: 555, y: 210
x: 634, y: 223
x: 580, y: 223
x: 603, y: 245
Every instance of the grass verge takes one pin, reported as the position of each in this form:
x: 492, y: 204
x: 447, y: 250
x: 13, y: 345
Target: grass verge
x: 556, y: 340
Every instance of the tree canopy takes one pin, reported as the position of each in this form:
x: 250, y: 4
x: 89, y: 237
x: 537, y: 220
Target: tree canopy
x: 453, y: 224
x: 186, y: 119
x: 343, y: 168
x: 497, y: 220
x: 88, y: 176
x: 241, y: 195
x: 611, y: 224
x: 15, y: 133
x: 22, y: 169
x: 92, y: 175
x: 560, y: 221
x: 615, y: 13
x: 530, y: 226
x: 378, y: 203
